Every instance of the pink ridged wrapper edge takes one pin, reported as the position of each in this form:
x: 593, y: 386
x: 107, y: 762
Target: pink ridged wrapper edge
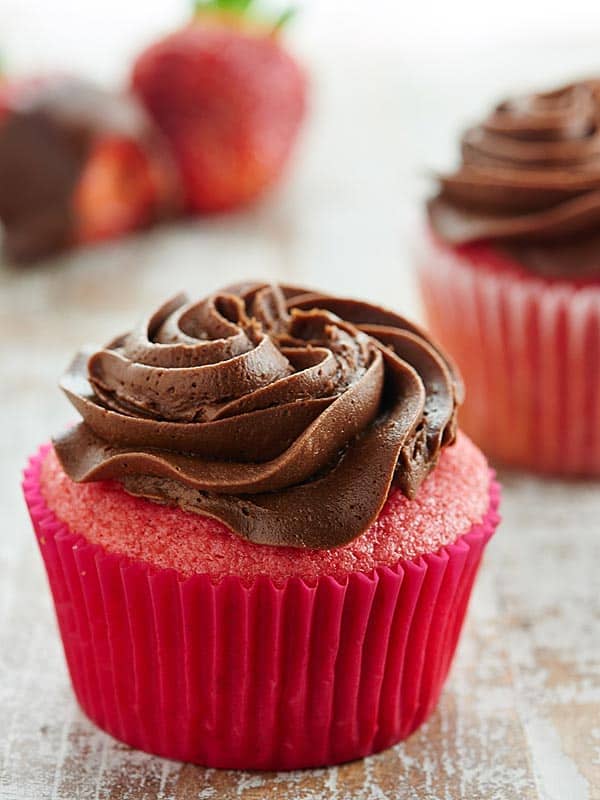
x: 255, y: 676
x: 529, y: 352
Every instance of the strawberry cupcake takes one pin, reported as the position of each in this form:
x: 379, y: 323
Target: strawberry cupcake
x: 510, y: 276
x: 262, y: 536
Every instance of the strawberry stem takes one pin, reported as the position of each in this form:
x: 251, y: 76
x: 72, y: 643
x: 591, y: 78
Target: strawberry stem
x: 233, y: 6
x: 241, y: 8
x: 284, y: 18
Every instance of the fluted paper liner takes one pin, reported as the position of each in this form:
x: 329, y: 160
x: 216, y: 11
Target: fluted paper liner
x: 529, y: 352
x: 255, y: 675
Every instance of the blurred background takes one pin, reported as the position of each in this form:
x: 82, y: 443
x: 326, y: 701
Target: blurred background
x: 102, y: 35
x: 391, y: 86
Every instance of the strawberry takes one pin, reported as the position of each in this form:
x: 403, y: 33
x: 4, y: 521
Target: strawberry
x: 121, y: 188
x: 77, y: 164
x: 230, y: 100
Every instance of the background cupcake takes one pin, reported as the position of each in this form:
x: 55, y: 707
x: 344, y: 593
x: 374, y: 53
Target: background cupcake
x: 260, y: 547
x: 510, y: 275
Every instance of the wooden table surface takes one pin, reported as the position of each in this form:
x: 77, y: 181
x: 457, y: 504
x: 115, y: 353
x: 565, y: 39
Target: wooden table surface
x: 520, y: 715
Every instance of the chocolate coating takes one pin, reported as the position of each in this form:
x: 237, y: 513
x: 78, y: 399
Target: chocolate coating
x: 286, y: 414
x: 530, y: 182
x: 46, y: 135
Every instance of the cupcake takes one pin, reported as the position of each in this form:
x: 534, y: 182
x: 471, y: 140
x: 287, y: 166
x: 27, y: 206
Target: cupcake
x: 510, y: 276
x: 262, y: 536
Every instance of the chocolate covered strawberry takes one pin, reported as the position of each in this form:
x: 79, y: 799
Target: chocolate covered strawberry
x: 229, y: 98
x: 77, y: 164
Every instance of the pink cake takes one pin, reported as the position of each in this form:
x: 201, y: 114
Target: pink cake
x: 451, y: 501
x: 192, y: 636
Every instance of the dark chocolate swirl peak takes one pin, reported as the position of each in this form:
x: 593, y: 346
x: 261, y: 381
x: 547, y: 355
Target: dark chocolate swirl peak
x: 529, y: 172
x: 283, y: 413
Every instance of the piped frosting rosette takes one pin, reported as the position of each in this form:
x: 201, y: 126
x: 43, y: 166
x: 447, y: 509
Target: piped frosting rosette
x: 530, y: 170
x: 286, y: 414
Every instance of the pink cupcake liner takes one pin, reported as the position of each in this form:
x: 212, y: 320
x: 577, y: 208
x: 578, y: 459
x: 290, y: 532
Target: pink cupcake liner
x: 529, y: 351
x: 255, y: 675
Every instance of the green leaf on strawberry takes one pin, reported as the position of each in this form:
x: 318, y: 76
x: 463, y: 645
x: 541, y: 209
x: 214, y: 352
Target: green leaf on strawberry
x: 241, y: 9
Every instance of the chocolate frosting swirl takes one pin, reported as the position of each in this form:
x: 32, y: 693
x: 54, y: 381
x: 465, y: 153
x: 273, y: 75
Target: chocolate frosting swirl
x: 284, y: 413
x: 529, y: 180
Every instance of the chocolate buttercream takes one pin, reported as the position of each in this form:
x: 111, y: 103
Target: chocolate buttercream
x: 530, y: 182
x: 284, y: 413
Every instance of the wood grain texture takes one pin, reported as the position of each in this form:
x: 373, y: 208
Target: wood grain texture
x: 520, y: 716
